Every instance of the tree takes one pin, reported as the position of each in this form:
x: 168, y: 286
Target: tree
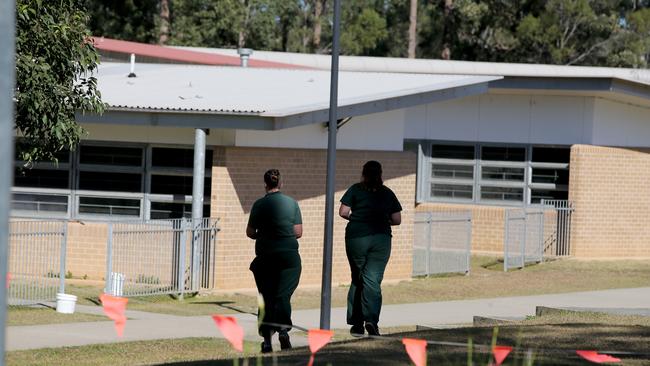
x: 132, y: 20
x: 413, y: 18
x: 163, y: 16
x: 54, y: 63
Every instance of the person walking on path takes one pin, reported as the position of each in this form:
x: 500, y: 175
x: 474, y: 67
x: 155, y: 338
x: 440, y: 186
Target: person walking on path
x: 275, y: 224
x: 371, y: 209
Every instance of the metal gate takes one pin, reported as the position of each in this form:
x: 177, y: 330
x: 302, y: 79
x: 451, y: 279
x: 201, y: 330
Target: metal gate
x: 160, y: 257
x: 36, y: 261
x: 523, y: 237
x: 442, y: 242
x: 558, y: 243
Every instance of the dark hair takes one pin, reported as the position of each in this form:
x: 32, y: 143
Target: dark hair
x: 372, y: 175
x: 272, y: 178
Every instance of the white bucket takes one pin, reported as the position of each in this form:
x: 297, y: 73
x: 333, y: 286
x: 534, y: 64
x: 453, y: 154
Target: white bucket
x: 65, y: 303
x: 117, y: 283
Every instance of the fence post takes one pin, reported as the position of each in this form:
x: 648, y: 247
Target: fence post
x: 523, y: 242
x: 505, y: 241
x: 541, y: 236
x: 429, y: 242
x: 64, y: 242
x: 109, y: 258
x: 181, y: 260
x: 468, y: 231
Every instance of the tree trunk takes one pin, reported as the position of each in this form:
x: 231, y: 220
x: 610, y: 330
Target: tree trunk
x: 243, y: 31
x: 413, y: 19
x: 446, y: 36
x: 318, y: 12
x: 163, y: 31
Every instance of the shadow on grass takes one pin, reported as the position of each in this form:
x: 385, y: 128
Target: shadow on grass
x: 549, y: 344
x: 225, y: 305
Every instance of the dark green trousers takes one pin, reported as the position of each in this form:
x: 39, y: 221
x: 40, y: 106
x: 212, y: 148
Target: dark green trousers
x: 276, y: 276
x: 368, y: 256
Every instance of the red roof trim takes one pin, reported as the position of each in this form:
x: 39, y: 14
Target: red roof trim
x: 186, y: 56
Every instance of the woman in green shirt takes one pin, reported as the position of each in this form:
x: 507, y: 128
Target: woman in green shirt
x: 371, y: 209
x: 275, y: 224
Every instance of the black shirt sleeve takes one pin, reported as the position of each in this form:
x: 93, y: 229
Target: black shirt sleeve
x: 348, y: 197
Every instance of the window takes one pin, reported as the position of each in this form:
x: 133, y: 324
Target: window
x: 452, y: 172
x: 494, y: 174
x: 114, y: 180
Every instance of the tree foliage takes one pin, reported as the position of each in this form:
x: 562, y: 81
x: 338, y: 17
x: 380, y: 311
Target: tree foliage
x: 54, y: 61
x: 585, y: 32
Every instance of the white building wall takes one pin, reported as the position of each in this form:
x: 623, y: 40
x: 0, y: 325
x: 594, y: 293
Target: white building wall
x: 380, y: 131
x: 502, y: 118
x: 620, y: 124
x: 155, y: 135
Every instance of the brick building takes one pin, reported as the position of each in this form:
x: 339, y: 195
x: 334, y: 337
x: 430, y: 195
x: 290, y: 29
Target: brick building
x: 450, y: 135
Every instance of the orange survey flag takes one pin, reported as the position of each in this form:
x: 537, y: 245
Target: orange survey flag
x: 115, y: 308
x: 8, y: 279
x: 317, y: 338
x: 596, y: 357
x: 500, y: 353
x: 417, y: 350
x: 230, y: 330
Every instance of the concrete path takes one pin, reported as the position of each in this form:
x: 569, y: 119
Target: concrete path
x: 148, y: 326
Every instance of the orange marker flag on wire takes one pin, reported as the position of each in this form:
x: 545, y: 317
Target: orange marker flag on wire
x: 8, y: 279
x: 596, y: 357
x: 500, y: 353
x: 417, y: 350
x: 317, y: 338
x: 230, y: 330
x: 115, y: 308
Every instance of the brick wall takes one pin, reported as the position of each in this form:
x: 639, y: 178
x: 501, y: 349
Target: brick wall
x: 87, y: 249
x: 611, y: 193
x: 237, y: 181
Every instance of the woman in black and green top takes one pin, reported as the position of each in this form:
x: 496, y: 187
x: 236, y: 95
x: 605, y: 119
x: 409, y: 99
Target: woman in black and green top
x: 371, y: 209
x: 275, y: 223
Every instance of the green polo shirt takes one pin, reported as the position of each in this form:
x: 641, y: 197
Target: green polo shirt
x: 371, y: 210
x: 274, y: 216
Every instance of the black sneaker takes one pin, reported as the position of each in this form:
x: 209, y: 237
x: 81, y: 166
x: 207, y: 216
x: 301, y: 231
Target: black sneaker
x: 372, y: 329
x: 285, y: 341
x: 357, y: 330
x: 266, y: 347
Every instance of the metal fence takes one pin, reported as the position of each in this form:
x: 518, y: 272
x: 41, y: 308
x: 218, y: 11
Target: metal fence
x: 37, y: 252
x: 523, y: 238
x: 442, y: 242
x: 160, y: 257
x: 558, y: 242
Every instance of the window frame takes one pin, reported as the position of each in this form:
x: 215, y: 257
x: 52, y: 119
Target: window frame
x: 146, y: 170
x: 425, y: 170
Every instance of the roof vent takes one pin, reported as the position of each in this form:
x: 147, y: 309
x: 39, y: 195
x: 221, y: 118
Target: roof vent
x: 244, y: 55
x: 132, y: 73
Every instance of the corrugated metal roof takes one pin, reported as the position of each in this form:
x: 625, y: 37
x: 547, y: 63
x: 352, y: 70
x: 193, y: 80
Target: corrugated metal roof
x: 429, y: 66
x: 263, y: 92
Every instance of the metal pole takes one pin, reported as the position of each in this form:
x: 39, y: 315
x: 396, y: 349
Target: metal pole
x: 198, y: 174
x: 64, y: 244
x: 109, y: 260
x: 7, y: 69
x: 326, y: 286
x: 198, y: 178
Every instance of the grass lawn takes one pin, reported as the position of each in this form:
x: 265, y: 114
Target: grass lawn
x: 485, y: 280
x: 564, y: 333
x: 34, y: 316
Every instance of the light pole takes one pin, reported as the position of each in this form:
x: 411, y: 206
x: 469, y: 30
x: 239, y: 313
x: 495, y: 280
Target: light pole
x: 326, y: 286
